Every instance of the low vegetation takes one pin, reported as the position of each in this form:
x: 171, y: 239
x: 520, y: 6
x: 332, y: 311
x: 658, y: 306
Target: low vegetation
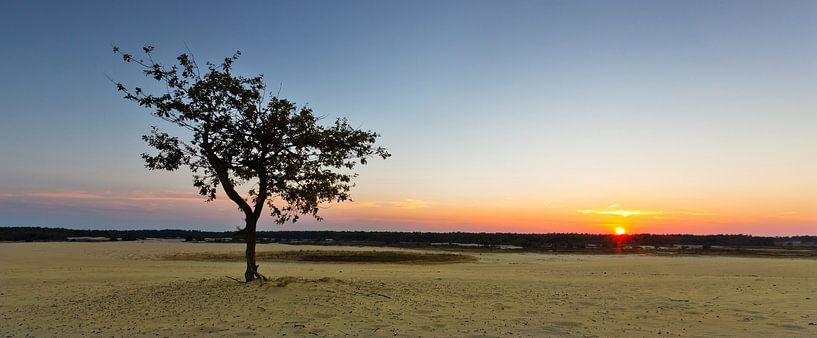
x: 332, y: 256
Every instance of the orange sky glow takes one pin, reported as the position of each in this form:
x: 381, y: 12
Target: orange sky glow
x: 423, y: 215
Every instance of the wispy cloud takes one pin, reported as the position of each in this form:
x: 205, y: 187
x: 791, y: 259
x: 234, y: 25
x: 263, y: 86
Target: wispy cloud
x: 621, y: 212
x: 62, y: 195
x: 615, y: 210
x: 169, y: 196
x: 104, y: 200
x: 408, y: 203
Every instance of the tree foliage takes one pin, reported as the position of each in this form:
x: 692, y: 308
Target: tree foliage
x: 240, y: 136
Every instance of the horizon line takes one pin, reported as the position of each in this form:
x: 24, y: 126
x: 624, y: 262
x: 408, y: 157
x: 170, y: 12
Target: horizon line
x: 433, y: 232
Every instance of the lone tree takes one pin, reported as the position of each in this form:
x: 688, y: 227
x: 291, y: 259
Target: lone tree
x: 239, y: 139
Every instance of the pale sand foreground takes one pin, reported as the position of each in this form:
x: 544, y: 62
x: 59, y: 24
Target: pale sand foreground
x: 104, y: 289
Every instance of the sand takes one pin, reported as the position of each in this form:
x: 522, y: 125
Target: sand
x: 126, y: 289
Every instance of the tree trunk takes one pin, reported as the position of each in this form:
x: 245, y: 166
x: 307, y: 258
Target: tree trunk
x: 252, y: 268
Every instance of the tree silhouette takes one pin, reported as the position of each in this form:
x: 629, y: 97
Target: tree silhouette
x: 237, y: 137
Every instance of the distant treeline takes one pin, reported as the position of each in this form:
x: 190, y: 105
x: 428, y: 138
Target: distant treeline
x: 553, y: 240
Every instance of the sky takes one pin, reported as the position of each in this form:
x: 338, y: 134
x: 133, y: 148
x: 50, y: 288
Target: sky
x: 502, y: 116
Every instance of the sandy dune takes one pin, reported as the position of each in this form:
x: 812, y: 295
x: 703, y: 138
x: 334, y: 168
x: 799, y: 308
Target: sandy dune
x: 104, y: 289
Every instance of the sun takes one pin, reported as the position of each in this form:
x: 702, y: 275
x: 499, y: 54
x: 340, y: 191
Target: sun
x: 620, y: 231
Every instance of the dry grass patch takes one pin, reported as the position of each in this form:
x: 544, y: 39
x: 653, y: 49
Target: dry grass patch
x: 331, y: 256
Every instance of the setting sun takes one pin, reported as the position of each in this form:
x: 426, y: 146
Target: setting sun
x: 620, y: 231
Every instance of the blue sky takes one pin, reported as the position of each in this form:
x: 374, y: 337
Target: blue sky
x: 536, y: 108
